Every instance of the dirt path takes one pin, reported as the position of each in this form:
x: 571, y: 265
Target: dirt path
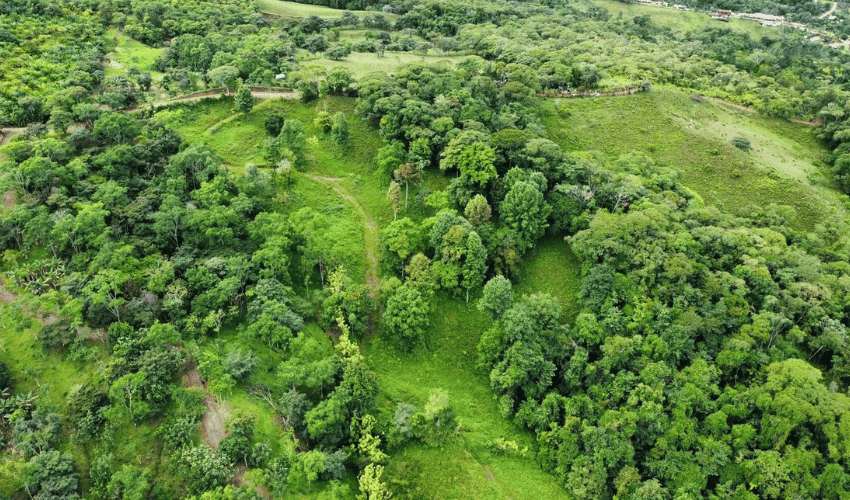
x: 370, y: 229
x: 830, y: 11
x: 212, y: 425
x: 197, y: 96
x: 6, y: 134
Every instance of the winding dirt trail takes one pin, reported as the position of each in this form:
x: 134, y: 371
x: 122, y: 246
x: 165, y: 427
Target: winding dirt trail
x: 370, y: 228
x: 214, y: 93
x: 830, y: 11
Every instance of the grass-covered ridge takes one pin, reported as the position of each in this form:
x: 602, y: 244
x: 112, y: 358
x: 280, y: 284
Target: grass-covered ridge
x: 694, y: 136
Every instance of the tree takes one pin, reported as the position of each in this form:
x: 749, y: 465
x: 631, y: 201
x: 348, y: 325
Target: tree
x: 400, y: 239
x: 478, y: 211
x: 50, y: 475
x: 115, y: 128
x: 338, y: 51
x: 471, y: 155
x: 394, y: 197
x: 371, y: 487
x: 293, y: 138
x: 202, y: 469
x: 105, y: 290
x: 339, y: 130
x: 436, y: 424
x: 224, y: 76
x: 407, y: 316
x: 525, y: 211
x: 244, y: 100
x: 497, y: 297
x: 475, y: 265
x: 409, y: 174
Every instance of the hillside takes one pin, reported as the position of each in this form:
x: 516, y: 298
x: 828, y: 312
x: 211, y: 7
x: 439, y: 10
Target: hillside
x: 486, y: 249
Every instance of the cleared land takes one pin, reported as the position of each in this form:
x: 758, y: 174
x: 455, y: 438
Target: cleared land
x: 294, y: 9
x: 694, y: 137
x: 361, y: 64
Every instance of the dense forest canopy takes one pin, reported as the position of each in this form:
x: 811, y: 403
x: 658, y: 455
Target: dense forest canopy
x: 206, y: 298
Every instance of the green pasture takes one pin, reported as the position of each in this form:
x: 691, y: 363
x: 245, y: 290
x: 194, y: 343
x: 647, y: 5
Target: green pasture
x: 693, y: 136
x: 295, y: 9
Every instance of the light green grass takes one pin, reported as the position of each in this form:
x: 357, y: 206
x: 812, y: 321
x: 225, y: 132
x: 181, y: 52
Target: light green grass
x: 294, y: 9
x: 682, y: 21
x: 694, y: 138
x: 239, y: 140
x: 448, y: 362
x: 128, y: 52
x: 361, y: 64
x: 552, y: 267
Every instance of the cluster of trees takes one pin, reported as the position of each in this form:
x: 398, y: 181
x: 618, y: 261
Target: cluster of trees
x: 707, y: 358
x: 50, y: 59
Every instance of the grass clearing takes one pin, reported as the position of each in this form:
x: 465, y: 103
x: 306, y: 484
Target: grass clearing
x: 448, y: 362
x: 361, y: 64
x: 552, y: 267
x: 125, y: 51
x: 295, y: 9
x: 682, y: 21
x: 694, y: 138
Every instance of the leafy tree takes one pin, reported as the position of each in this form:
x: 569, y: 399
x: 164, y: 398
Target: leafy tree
x: 130, y: 483
x: 50, y: 475
x: 371, y: 487
x: 273, y: 124
x: 339, y: 130
x: 240, y: 364
x: 225, y: 76
x: 324, y: 121
x: 525, y: 211
x: 436, y: 424
x: 497, y: 297
x: 478, y: 211
x: 407, y: 316
x: 293, y: 138
x: 201, y: 469
x: 244, y: 100
x: 408, y: 174
x: 394, y: 197
x: 338, y: 51
x: 475, y: 265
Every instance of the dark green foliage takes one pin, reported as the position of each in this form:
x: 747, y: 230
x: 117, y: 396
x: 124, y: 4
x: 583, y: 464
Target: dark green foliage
x: 407, y: 317
x: 741, y: 143
x: 339, y: 130
x: 240, y: 364
x: 37, y: 433
x: 273, y: 124
x: 7, y: 383
x: 244, y: 101
x: 57, y: 335
x: 201, y: 469
x: 436, y: 424
x: 51, y: 476
x: 497, y: 297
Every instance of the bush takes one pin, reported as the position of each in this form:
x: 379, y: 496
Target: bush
x: 338, y: 51
x: 57, y: 336
x: 240, y: 364
x: 6, y: 380
x: 273, y: 124
x: 741, y: 143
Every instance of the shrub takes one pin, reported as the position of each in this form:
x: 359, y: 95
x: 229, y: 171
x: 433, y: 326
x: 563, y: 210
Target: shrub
x: 741, y: 143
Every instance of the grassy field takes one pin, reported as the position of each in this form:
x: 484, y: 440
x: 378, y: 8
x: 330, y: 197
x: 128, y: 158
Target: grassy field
x: 694, y: 138
x: 551, y: 267
x: 681, y: 21
x: 125, y: 52
x: 464, y: 468
x: 294, y: 9
x: 361, y: 64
